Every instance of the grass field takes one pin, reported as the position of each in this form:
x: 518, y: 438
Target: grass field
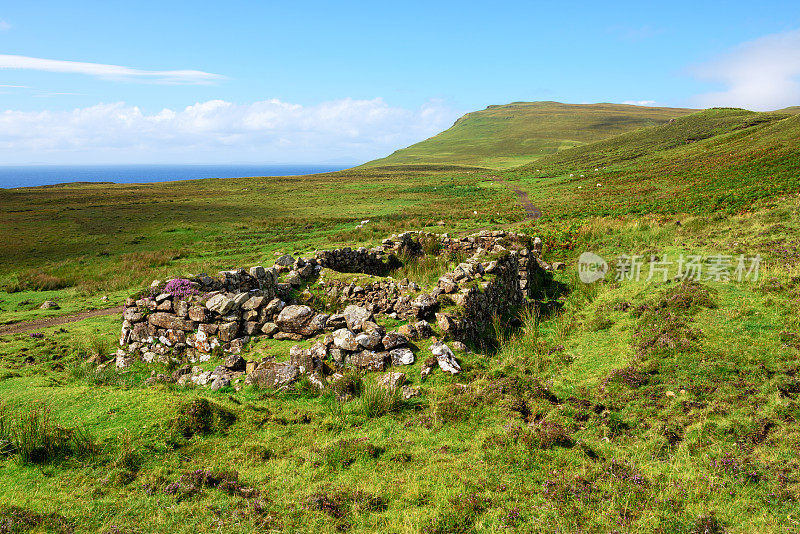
x: 517, y: 133
x: 642, y: 406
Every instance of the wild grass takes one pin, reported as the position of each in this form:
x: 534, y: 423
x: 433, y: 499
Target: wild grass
x: 33, y: 435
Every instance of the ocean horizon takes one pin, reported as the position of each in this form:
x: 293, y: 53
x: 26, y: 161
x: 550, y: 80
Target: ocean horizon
x: 39, y: 175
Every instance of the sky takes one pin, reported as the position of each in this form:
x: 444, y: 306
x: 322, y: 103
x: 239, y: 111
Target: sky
x: 98, y: 82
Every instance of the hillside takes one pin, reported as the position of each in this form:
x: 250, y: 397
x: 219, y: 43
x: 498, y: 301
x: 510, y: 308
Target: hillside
x: 718, y: 159
x: 513, y: 134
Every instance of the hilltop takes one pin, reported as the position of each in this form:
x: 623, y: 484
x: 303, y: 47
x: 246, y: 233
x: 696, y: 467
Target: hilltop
x: 513, y: 134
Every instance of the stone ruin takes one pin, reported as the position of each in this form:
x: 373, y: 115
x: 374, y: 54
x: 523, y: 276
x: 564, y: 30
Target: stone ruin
x: 196, y: 318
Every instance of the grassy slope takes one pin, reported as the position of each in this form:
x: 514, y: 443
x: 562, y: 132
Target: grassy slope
x: 512, y: 134
x: 574, y: 424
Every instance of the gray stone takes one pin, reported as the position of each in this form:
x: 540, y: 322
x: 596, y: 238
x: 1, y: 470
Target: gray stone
x: 274, y: 307
x: 133, y: 315
x: 253, y: 303
x: 270, y: 329
x: 344, y: 339
x: 49, y: 305
x: 170, y: 321
x: 274, y: 375
x: 368, y: 360
x: 369, y: 340
x: 356, y: 316
x: 220, y: 304
x: 285, y: 261
x: 220, y: 382
x: 234, y: 362
x: 402, y: 356
x: 447, y: 361
x: 228, y: 331
x: 392, y: 340
x: 294, y: 318
x: 198, y: 313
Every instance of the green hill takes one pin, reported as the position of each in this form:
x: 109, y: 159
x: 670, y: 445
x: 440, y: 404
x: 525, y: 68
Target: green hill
x: 514, y: 134
x: 714, y: 160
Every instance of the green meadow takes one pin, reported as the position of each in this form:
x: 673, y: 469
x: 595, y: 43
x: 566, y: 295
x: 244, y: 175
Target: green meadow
x: 619, y: 406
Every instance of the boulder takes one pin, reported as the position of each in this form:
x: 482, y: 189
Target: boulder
x: 49, y: 305
x: 170, y: 321
x: 446, y: 323
x: 199, y: 314
x: 270, y: 329
x: 294, y: 318
x: 368, y: 340
x: 410, y: 392
x: 445, y: 358
x: 344, y: 339
x: 408, y: 331
x: 392, y: 340
x: 274, y: 375
x: 356, y: 316
x: 220, y: 304
x: 228, y: 331
x: 220, y: 382
x: 424, y: 304
x: 234, y: 362
x: 336, y: 321
x: 274, y: 307
x: 181, y: 308
x: 401, y: 356
x: 423, y: 329
x: 253, y: 303
x: 285, y: 261
x: 369, y: 360
x: 133, y: 315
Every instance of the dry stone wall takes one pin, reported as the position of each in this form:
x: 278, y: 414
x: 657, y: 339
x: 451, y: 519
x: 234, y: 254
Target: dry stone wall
x: 193, y: 319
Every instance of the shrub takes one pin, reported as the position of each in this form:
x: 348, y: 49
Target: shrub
x: 377, y: 401
x: 34, y: 436
x: 201, y: 416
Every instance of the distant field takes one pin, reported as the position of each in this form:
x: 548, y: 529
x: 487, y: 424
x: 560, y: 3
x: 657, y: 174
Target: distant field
x: 513, y: 134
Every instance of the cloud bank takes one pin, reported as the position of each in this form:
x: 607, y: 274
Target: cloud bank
x: 763, y: 74
x: 216, y: 131
x: 108, y: 72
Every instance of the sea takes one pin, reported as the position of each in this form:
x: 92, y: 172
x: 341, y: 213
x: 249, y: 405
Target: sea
x: 30, y: 176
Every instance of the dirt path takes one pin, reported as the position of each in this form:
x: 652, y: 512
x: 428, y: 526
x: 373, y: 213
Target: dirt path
x: 36, y: 324
x: 531, y: 211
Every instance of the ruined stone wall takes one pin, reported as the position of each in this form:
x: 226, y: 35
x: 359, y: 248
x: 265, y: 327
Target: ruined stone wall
x: 209, y: 313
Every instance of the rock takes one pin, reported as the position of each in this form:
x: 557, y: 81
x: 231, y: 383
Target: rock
x: 132, y: 315
x: 220, y: 304
x: 445, y: 322
x: 447, y: 285
x: 285, y: 261
x: 274, y: 307
x: 445, y: 358
x: 423, y: 329
x: 228, y: 331
x: 428, y: 367
x: 294, y: 318
x: 317, y: 324
x: 344, y: 339
x: 220, y: 382
x: 49, y: 305
x: 424, y: 304
x: 198, y: 313
x: 288, y: 336
x: 234, y: 362
x: 368, y: 360
x: 208, y: 328
x: 392, y: 340
x: 401, y: 356
x: 356, y: 316
x: 336, y: 321
x: 274, y: 375
x: 294, y: 279
x: 392, y: 381
x: 165, y: 306
x: 270, y: 329
x: 410, y: 392
x: 170, y: 321
x: 181, y: 308
x: 369, y: 340
x: 252, y: 328
x: 408, y: 331
x: 253, y: 303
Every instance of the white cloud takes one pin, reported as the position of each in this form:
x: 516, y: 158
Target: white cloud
x: 4, y: 26
x: 763, y: 74
x: 109, y: 72
x: 217, y: 131
x: 639, y: 102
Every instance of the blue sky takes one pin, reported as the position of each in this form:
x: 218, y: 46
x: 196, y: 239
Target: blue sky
x: 303, y: 82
